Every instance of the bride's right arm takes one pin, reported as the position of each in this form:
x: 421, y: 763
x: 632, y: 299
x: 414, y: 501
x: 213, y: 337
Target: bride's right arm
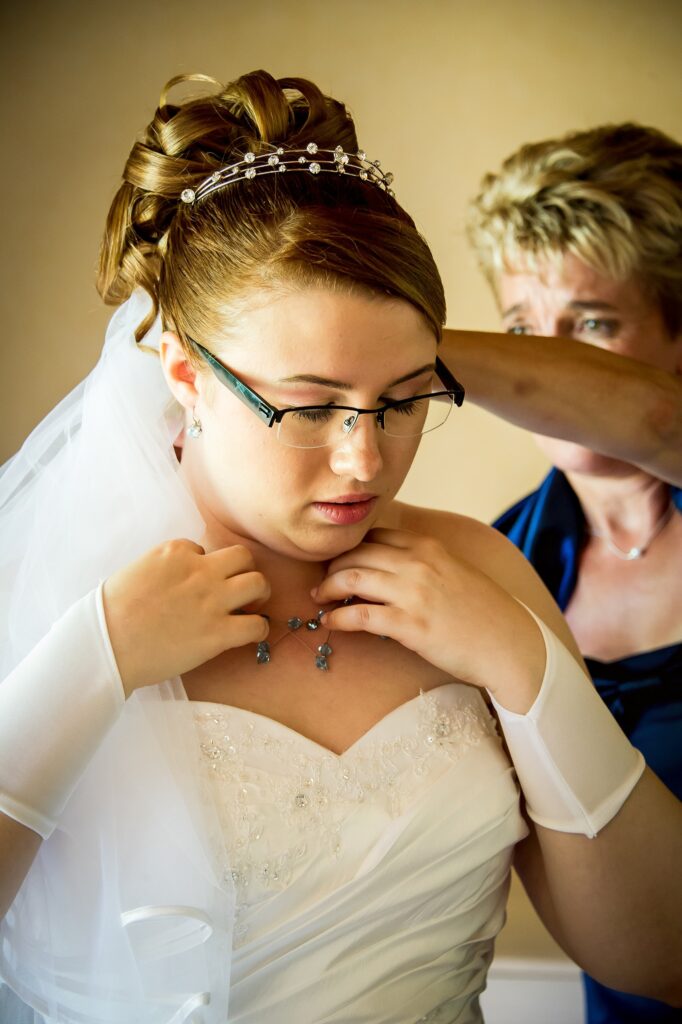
x: 161, y: 616
x: 18, y: 848
x: 56, y: 706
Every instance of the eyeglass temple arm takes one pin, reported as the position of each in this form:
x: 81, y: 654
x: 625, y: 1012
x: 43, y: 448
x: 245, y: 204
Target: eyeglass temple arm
x: 450, y: 382
x: 244, y: 393
x: 268, y: 414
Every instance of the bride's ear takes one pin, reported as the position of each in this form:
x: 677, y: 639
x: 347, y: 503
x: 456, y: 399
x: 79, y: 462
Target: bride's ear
x: 179, y: 373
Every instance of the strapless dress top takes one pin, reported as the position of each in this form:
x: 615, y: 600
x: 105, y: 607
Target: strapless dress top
x: 370, y: 885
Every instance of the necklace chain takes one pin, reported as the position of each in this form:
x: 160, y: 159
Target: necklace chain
x: 294, y: 624
x: 636, y: 552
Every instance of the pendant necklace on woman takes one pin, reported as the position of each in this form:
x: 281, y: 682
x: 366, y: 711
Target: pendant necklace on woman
x: 636, y: 552
x: 294, y: 624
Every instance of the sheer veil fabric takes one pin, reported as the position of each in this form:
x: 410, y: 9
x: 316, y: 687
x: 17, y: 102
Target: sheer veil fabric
x: 126, y: 914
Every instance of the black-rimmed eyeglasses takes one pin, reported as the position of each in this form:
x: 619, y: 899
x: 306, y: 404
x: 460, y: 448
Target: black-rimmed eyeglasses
x: 315, y: 426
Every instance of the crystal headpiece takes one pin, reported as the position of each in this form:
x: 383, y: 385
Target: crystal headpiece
x: 278, y: 160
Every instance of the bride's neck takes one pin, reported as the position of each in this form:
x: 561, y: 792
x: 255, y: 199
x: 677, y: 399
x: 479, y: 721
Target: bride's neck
x: 291, y: 579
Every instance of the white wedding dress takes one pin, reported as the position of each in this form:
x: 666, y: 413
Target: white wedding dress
x: 370, y: 885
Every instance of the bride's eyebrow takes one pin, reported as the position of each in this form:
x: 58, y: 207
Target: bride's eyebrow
x: 339, y: 385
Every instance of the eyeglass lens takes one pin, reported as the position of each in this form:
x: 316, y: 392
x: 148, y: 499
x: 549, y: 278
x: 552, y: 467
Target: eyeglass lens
x: 323, y: 425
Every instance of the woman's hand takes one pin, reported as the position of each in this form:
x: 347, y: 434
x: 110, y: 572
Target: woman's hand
x: 454, y: 616
x: 174, y: 608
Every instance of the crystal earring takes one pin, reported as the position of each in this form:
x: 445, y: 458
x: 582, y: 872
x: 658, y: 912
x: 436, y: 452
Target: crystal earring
x: 195, y: 427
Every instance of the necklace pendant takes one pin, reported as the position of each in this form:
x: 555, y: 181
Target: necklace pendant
x: 637, y: 552
x: 322, y: 656
x: 294, y: 623
x: 625, y: 556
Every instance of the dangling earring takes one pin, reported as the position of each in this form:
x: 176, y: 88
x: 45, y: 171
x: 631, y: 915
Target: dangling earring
x: 195, y: 428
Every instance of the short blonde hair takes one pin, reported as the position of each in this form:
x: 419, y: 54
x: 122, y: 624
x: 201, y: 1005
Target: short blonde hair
x: 611, y: 196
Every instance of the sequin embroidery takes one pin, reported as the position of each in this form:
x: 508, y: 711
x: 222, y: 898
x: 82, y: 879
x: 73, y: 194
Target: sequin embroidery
x: 312, y: 791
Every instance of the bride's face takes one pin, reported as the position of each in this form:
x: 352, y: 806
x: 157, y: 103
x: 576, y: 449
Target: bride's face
x: 308, y: 347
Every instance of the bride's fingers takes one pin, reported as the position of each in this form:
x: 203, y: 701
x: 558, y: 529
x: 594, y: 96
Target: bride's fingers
x: 366, y: 584
x: 393, y: 538
x: 368, y: 618
x: 239, y: 630
x: 391, y: 549
x: 248, y: 588
x: 230, y: 561
x: 371, y: 556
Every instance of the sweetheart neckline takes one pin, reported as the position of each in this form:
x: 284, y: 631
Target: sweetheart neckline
x: 307, y: 739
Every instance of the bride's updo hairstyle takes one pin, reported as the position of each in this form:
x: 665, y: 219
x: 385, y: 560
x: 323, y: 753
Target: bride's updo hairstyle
x: 199, y: 260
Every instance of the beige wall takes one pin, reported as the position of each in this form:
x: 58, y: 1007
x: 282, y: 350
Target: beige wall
x: 441, y: 91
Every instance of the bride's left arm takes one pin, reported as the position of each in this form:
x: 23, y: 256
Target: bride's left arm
x: 441, y: 586
x: 612, y: 901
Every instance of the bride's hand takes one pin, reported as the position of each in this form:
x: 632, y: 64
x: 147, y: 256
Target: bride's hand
x: 173, y: 609
x: 440, y: 607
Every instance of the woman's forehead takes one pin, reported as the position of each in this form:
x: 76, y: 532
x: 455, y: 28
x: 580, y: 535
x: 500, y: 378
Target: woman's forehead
x: 567, y: 281
x: 328, y: 333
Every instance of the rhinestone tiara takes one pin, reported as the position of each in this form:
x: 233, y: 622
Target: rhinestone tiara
x: 278, y: 160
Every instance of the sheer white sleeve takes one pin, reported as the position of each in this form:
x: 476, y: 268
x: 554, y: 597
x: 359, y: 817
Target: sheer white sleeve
x: 575, y: 765
x: 55, y: 708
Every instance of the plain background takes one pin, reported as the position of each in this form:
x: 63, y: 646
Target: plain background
x: 441, y: 90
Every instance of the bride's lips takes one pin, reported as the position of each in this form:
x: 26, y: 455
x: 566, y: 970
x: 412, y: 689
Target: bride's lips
x: 347, y: 508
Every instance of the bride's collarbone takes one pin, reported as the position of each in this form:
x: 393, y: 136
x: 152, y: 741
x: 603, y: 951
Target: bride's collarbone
x: 366, y: 680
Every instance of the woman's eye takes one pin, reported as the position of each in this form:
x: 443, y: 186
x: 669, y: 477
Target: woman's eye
x: 518, y: 329
x: 598, y: 327
x: 407, y: 408
x: 316, y: 415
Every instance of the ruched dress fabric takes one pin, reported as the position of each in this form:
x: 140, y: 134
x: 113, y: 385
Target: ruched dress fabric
x: 370, y: 885
x: 642, y: 691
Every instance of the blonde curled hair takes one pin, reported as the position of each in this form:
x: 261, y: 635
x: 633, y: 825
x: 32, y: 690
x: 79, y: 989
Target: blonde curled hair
x: 198, y: 262
x: 612, y: 196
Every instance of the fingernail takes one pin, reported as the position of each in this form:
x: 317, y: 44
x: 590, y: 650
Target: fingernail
x: 313, y: 592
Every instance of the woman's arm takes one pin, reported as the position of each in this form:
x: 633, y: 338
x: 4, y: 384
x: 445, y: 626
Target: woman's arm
x: 613, y: 901
x: 59, y: 702
x: 563, y: 388
x: 56, y: 706
x: 18, y: 848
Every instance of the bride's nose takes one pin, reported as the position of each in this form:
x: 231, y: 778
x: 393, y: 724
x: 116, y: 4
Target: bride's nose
x: 357, y: 453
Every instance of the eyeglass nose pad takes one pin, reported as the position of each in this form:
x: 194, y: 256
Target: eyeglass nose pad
x: 350, y: 422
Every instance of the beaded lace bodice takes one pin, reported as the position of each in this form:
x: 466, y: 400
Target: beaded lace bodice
x: 364, y: 868
x: 311, y: 791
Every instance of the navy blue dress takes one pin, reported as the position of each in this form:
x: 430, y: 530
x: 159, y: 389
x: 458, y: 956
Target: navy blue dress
x: 643, y: 692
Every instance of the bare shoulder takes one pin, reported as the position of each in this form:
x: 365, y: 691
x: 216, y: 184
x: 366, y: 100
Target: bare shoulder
x: 489, y: 551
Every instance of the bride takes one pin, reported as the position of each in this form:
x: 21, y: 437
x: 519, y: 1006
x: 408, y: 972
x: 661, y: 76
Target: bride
x: 249, y: 762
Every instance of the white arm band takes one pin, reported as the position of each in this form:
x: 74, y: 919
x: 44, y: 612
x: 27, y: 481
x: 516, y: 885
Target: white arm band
x: 574, y: 764
x: 56, y: 706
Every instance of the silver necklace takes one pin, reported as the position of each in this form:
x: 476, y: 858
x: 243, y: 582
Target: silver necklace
x: 294, y: 624
x: 636, y: 552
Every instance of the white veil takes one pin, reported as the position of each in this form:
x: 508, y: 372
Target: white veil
x: 126, y: 914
